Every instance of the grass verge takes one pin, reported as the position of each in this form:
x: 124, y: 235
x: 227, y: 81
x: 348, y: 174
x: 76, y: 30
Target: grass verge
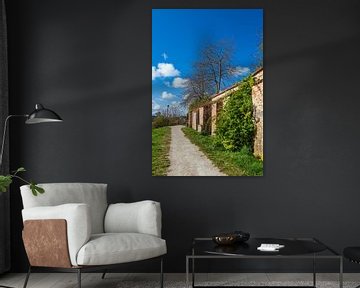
x: 160, y: 150
x: 240, y: 163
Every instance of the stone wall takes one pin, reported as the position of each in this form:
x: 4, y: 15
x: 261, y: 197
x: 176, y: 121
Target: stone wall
x: 257, y: 99
x: 193, y: 119
x: 213, y: 117
x: 201, y: 119
x: 200, y: 116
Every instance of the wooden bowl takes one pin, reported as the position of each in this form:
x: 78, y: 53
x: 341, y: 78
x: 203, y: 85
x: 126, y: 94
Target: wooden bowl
x: 225, y: 239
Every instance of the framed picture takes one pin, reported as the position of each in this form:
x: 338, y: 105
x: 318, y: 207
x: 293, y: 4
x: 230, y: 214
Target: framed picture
x: 207, y: 92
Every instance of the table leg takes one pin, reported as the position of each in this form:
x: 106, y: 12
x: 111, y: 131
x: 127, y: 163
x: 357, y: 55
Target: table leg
x: 193, y: 267
x: 193, y: 272
x: 314, y: 271
x: 341, y: 273
x: 187, y: 272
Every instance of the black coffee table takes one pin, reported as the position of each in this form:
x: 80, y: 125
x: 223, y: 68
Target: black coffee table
x: 295, y: 248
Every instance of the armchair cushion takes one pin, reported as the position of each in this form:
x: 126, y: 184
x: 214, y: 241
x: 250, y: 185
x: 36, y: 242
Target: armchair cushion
x: 92, y: 194
x: 113, y: 248
x: 138, y: 217
x: 78, y: 221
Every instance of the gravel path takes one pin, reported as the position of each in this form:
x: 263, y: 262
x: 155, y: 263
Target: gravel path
x: 186, y: 159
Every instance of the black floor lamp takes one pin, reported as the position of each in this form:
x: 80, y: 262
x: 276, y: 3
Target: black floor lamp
x: 39, y: 115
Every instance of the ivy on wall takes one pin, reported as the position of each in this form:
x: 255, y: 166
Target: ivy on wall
x: 235, y: 127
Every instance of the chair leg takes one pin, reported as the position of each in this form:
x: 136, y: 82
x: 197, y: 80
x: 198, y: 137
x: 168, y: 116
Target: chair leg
x: 161, y: 273
x: 79, y: 277
x: 27, y: 277
x: 3, y: 286
x: 103, y: 275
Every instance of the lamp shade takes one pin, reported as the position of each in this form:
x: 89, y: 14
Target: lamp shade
x: 42, y: 115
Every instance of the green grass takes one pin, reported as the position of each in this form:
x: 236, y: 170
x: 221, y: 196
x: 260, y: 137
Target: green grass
x: 240, y: 163
x: 160, y: 150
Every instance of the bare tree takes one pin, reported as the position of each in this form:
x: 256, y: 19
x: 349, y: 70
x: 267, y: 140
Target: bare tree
x: 198, y: 86
x: 214, y: 67
x: 176, y: 110
x: 172, y: 111
x: 258, y: 55
x: 217, y: 62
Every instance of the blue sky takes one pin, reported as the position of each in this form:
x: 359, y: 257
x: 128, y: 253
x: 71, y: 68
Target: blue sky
x: 177, y: 35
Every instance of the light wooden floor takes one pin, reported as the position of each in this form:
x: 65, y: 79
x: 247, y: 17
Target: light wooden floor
x: 113, y: 280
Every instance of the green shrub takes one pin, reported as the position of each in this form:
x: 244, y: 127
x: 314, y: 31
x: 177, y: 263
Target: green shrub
x: 235, y: 126
x: 160, y: 121
x: 207, y: 127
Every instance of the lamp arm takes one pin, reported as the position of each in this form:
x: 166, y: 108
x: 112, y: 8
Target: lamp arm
x: 4, y: 134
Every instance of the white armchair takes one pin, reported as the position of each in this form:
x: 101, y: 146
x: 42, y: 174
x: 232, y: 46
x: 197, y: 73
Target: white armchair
x: 72, y: 228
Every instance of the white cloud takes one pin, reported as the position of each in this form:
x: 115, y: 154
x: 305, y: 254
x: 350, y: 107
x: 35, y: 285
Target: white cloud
x: 155, y: 106
x: 153, y: 70
x: 241, y: 71
x: 179, y: 82
x: 167, y: 83
x: 174, y: 102
x: 164, y: 55
x: 186, y: 96
x: 164, y: 70
x: 167, y: 95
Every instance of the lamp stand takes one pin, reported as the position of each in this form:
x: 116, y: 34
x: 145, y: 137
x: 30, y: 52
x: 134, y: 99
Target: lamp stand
x: 4, y: 135
x: 39, y: 115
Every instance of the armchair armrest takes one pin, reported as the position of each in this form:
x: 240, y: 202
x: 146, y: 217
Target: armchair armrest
x: 138, y: 217
x: 77, y: 217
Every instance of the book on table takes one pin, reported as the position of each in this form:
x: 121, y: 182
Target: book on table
x: 270, y: 247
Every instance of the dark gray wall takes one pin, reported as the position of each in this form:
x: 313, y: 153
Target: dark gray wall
x: 90, y: 61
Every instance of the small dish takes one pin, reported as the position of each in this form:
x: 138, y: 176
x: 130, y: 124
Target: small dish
x: 225, y: 239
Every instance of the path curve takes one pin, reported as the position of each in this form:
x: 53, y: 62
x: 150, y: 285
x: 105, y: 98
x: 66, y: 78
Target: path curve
x: 186, y: 159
